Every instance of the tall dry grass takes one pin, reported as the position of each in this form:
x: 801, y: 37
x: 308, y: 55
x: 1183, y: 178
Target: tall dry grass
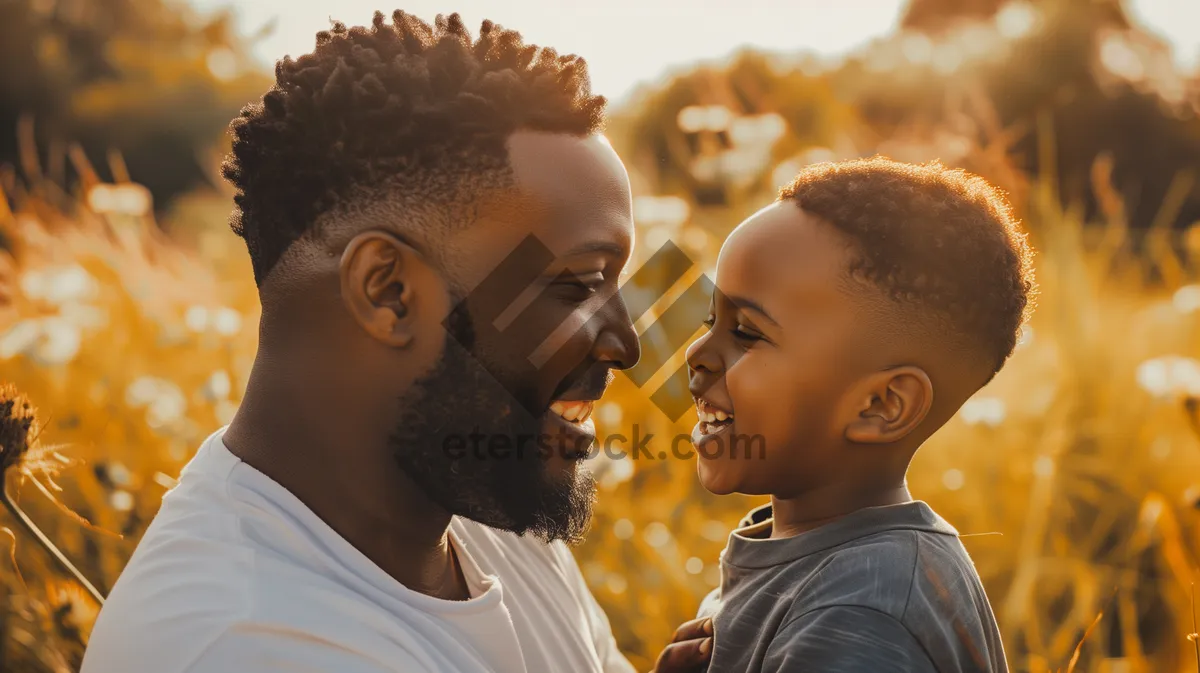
x: 1072, y: 475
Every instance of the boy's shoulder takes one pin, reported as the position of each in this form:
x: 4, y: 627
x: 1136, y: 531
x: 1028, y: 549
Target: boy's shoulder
x: 877, y: 572
x: 897, y: 573
x: 878, y: 559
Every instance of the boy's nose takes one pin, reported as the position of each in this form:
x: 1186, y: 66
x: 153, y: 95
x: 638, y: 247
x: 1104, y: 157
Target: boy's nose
x: 704, y: 366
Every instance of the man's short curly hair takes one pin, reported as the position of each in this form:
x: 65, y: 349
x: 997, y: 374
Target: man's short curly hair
x: 930, y: 238
x: 409, y: 110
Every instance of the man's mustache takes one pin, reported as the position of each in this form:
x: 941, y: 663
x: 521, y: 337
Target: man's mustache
x: 588, y: 386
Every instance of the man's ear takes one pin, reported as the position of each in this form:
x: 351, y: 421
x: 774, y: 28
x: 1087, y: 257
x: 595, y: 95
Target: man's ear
x: 377, y: 272
x: 891, y: 404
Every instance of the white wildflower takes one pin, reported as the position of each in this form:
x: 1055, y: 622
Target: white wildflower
x: 59, y: 341
x: 19, y: 338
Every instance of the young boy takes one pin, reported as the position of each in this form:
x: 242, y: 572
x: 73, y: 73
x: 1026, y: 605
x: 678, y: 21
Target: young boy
x: 854, y: 316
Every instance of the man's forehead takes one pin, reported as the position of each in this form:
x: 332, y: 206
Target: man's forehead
x: 560, y: 167
x: 570, y: 193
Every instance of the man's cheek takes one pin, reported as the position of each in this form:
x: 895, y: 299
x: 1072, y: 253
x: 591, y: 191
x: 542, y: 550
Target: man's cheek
x: 567, y: 346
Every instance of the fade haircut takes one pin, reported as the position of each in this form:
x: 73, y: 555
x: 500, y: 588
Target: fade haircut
x: 930, y: 238
x: 407, y: 111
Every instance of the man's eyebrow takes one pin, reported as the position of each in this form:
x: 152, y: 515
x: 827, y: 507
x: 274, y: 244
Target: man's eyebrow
x: 744, y: 303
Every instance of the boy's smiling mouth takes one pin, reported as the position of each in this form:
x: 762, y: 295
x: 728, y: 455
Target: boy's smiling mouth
x: 713, y: 419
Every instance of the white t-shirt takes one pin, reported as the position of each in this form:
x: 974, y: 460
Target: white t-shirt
x: 236, y: 575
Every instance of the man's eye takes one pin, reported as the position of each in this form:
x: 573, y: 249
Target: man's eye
x: 577, y: 288
x: 710, y: 321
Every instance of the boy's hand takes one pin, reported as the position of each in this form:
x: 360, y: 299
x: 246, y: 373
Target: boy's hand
x: 689, y: 650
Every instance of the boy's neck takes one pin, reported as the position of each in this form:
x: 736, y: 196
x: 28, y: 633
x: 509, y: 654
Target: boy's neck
x: 804, y: 512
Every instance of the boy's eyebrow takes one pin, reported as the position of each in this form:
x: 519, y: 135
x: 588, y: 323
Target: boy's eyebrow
x: 744, y: 303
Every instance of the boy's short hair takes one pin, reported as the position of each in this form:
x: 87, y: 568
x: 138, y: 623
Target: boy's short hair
x: 931, y: 238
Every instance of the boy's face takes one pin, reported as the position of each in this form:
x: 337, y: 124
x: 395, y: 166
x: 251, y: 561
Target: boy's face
x: 785, y: 347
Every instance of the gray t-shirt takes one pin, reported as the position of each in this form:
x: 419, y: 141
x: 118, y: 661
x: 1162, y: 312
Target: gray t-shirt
x: 883, y: 589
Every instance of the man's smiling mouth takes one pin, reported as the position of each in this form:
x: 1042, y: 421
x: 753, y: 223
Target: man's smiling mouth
x: 574, y: 411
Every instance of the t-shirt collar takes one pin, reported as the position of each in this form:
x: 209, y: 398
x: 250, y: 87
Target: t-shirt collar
x: 749, y: 546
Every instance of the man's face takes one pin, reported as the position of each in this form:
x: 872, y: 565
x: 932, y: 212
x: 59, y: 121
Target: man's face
x: 496, y: 431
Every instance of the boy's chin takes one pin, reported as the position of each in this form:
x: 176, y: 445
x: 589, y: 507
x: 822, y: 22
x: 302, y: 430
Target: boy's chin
x: 716, y: 480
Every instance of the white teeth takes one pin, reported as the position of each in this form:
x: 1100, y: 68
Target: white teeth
x: 706, y: 412
x: 575, y: 412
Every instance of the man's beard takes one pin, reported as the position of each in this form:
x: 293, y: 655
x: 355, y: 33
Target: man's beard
x: 460, y: 400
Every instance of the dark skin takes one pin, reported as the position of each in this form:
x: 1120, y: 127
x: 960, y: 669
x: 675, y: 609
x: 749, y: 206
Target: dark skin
x: 352, y: 317
x: 828, y: 371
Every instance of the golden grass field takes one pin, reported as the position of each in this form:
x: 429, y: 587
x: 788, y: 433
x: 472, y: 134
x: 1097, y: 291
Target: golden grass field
x: 1072, y: 474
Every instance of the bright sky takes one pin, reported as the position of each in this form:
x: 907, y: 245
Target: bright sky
x: 627, y: 42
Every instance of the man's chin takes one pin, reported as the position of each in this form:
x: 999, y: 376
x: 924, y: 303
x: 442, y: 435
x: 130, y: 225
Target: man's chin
x: 566, y: 441
x: 568, y: 495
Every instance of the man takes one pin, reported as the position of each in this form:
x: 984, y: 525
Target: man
x: 421, y: 209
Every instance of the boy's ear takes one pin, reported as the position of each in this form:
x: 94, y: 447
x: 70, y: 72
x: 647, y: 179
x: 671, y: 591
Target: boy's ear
x: 892, y: 404
x: 377, y: 272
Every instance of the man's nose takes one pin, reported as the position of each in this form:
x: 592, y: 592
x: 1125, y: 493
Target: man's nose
x: 617, y: 343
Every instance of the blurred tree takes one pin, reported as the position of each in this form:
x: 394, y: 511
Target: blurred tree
x: 1078, y: 69
x: 938, y: 14
x: 713, y: 135
x: 985, y: 72
x: 148, y: 79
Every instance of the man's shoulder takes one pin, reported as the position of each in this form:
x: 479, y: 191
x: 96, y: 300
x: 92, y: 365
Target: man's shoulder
x: 175, y: 598
x: 189, y: 578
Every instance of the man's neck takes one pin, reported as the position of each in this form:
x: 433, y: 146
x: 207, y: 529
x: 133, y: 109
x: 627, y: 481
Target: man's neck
x: 812, y: 509
x: 338, y: 466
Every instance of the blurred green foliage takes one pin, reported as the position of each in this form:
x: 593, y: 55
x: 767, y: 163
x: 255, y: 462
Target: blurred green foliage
x: 148, y: 79
x: 982, y: 72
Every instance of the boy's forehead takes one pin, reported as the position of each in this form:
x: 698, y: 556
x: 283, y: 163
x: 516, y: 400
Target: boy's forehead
x: 779, y: 243
x: 785, y: 259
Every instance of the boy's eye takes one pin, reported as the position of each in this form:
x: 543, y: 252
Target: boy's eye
x: 710, y: 321
x: 745, y: 335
